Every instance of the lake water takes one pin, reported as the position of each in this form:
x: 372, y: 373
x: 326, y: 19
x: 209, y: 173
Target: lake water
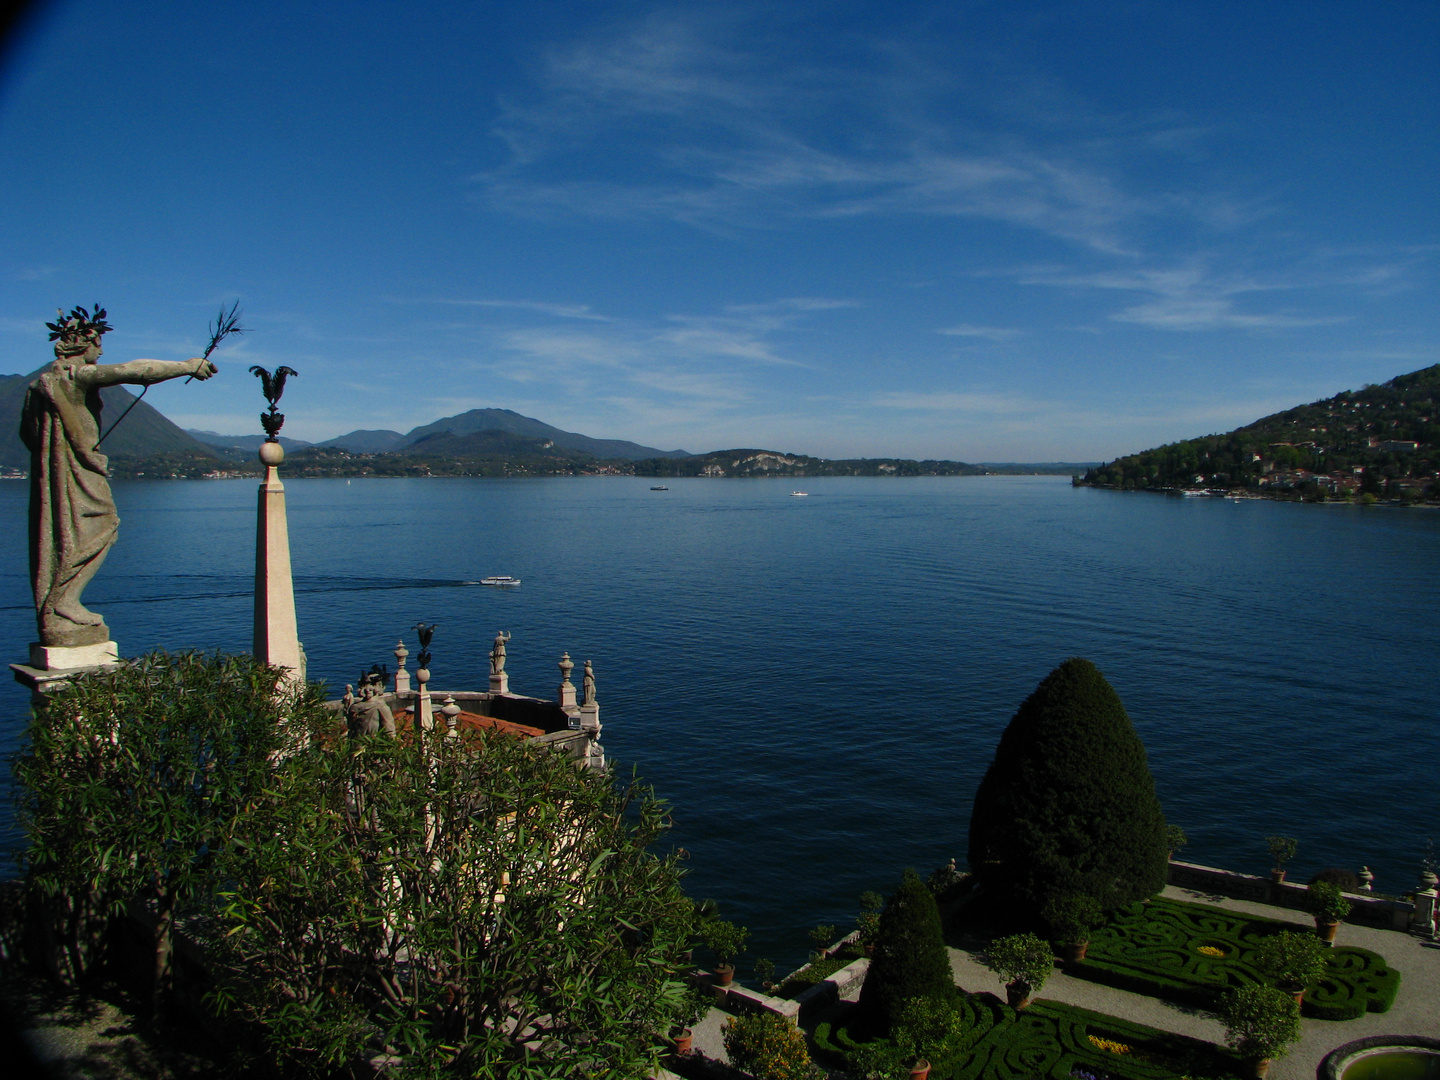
x: 816, y: 685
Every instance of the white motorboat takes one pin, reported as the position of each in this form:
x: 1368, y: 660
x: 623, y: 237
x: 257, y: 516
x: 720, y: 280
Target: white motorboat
x: 798, y: 494
x: 500, y: 579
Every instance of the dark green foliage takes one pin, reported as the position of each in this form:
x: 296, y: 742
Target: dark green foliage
x: 476, y: 903
x: 1325, y: 901
x: 1260, y: 1021
x: 1344, y: 880
x: 1045, y: 1042
x: 1068, y: 805
x: 910, y: 960
x: 133, y: 783
x: 1155, y: 949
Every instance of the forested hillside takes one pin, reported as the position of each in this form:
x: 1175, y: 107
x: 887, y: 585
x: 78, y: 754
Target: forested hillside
x: 1382, y: 441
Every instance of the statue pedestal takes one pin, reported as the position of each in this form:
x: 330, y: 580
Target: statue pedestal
x: 52, y: 666
x: 500, y: 684
x: 70, y: 657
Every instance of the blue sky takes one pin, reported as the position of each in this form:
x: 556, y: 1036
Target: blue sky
x: 985, y: 231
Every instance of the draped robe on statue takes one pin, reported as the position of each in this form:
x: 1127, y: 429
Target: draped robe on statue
x: 73, y: 522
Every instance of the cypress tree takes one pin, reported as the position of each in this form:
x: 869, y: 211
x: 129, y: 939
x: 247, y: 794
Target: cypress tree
x: 910, y: 960
x: 1068, y: 805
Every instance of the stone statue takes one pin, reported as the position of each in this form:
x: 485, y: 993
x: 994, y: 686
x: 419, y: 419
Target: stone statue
x: 73, y: 522
x: 368, y: 713
x: 588, y: 685
x: 497, y: 653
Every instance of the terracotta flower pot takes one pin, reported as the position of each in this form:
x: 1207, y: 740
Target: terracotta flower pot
x: 920, y: 1070
x: 1261, y: 1067
x: 724, y: 974
x: 1326, y: 929
x: 1295, y: 990
x: 1075, y: 951
x: 1277, y: 877
x: 1018, y: 993
x: 684, y: 1041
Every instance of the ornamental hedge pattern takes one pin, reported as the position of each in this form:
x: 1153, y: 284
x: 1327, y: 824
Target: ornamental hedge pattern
x: 1051, y: 1040
x: 1169, y: 949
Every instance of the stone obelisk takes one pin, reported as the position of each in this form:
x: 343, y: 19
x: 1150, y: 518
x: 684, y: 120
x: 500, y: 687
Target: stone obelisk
x: 277, y: 639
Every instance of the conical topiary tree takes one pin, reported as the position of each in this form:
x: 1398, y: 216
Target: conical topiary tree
x: 1068, y: 805
x: 910, y: 960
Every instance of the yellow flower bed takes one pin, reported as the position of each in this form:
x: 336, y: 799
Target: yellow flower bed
x: 1210, y: 950
x: 1110, y: 1046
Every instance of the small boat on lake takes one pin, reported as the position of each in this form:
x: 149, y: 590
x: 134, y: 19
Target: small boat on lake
x: 500, y: 579
x: 660, y: 487
x: 798, y: 494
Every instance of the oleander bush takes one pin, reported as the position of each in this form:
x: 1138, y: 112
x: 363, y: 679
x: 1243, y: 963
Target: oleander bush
x: 1048, y: 1041
x: 1192, y: 954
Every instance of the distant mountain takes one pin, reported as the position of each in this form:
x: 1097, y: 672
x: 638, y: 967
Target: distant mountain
x: 146, y: 433
x: 478, y: 444
x: 756, y: 463
x: 515, y: 424
x: 1379, y: 440
x: 366, y: 442
x: 240, y: 447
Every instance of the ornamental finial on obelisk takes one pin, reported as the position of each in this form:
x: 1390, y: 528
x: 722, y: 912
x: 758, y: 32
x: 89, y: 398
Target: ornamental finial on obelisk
x: 277, y: 639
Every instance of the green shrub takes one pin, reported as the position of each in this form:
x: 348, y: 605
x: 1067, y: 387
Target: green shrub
x: 1291, y: 959
x: 1260, y: 1021
x: 1068, y: 805
x: 1345, y: 880
x: 868, y: 922
x: 1049, y: 1040
x: 1020, y: 958
x: 1325, y: 901
x: 724, y: 939
x: 1154, y: 949
x: 1175, y: 839
x: 1072, y: 916
x: 133, y: 783
x: 1282, y: 850
x: 768, y: 1047
x: 910, y: 959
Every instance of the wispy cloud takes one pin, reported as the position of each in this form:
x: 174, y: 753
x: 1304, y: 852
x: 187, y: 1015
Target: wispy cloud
x: 1194, y: 297
x: 993, y: 333
x: 721, y: 136
x: 559, y: 311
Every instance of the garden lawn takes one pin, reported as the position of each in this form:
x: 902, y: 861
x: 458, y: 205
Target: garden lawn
x: 1191, y: 953
x: 1052, y: 1040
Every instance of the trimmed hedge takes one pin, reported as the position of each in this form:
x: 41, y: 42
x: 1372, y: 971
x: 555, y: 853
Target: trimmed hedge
x: 1155, y: 949
x: 1050, y: 1040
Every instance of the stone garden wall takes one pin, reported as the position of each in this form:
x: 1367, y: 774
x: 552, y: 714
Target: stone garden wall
x: 1365, y: 909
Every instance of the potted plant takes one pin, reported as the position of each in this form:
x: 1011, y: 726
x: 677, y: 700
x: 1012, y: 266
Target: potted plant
x: 1260, y: 1024
x: 871, y: 904
x: 693, y: 1006
x: 1024, y: 961
x: 1175, y: 839
x: 1293, y: 960
x: 1071, y: 917
x: 923, y: 1028
x: 821, y: 936
x: 726, y: 940
x: 1282, y: 850
x: 1328, y: 904
x: 765, y: 973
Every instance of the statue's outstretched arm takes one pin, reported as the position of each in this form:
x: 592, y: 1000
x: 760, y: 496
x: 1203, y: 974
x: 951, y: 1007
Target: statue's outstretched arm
x: 143, y: 372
